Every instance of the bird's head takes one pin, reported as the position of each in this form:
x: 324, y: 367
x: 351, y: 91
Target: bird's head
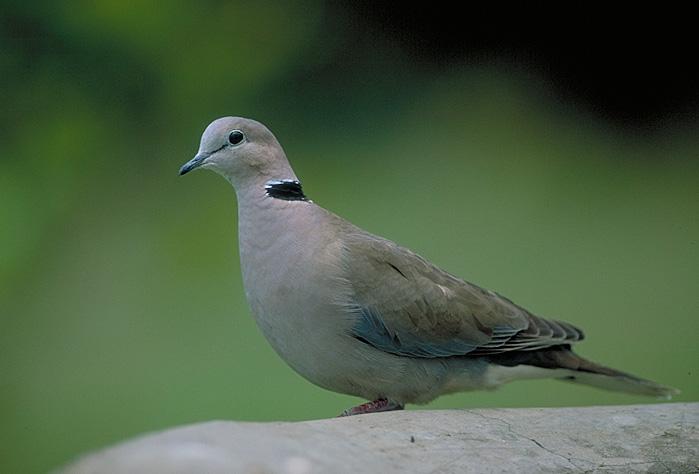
x: 241, y: 150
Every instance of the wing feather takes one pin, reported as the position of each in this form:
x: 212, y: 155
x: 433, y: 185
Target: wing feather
x: 407, y: 306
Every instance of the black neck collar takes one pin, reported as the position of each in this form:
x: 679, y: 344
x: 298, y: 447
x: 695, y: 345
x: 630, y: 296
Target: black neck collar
x: 286, y: 189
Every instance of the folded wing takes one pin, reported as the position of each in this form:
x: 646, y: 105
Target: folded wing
x: 409, y: 307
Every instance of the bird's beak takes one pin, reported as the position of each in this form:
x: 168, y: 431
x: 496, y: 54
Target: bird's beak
x: 194, y: 162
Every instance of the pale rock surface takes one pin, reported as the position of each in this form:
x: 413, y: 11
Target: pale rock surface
x: 638, y: 438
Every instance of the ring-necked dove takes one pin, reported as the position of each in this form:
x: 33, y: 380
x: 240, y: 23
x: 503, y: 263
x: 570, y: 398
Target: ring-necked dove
x: 358, y: 314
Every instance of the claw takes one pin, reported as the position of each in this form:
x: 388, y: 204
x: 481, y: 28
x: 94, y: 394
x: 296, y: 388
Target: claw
x: 382, y: 404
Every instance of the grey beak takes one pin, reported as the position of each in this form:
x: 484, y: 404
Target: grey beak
x: 194, y: 163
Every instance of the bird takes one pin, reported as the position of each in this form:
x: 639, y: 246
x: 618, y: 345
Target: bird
x: 358, y: 314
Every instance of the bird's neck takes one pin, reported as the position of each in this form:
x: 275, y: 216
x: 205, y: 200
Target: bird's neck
x: 255, y: 192
x: 276, y: 232
x: 285, y: 189
x: 269, y: 211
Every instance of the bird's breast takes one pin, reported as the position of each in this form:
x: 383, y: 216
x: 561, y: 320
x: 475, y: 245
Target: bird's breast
x: 292, y: 275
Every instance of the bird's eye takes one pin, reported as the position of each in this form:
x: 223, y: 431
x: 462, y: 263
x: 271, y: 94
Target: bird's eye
x: 235, y: 137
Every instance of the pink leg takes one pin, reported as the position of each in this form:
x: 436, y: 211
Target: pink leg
x: 382, y: 404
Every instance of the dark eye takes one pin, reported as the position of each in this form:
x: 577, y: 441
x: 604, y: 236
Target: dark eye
x: 235, y: 137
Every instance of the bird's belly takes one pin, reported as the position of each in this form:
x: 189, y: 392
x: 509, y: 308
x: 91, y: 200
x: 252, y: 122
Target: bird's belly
x: 302, y: 317
x: 313, y: 338
x: 330, y: 357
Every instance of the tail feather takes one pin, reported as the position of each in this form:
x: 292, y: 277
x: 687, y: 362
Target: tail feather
x: 623, y: 383
x: 581, y: 370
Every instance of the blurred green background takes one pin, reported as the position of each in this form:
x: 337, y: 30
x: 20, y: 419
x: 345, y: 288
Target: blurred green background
x: 121, y: 303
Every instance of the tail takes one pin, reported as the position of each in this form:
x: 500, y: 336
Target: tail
x: 596, y: 375
x: 580, y: 370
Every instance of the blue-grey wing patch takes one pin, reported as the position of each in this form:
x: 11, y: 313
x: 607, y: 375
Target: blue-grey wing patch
x: 370, y: 328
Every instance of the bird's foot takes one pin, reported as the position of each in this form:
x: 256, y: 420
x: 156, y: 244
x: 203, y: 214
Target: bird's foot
x: 382, y: 404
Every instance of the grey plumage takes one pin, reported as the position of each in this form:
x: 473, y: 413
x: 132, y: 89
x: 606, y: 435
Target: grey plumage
x: 359, y: 314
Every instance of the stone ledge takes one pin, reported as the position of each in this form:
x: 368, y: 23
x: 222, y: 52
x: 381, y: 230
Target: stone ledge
x: 634, y: 438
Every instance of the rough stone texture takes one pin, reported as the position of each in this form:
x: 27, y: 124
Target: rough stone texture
x: 642, y: 438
